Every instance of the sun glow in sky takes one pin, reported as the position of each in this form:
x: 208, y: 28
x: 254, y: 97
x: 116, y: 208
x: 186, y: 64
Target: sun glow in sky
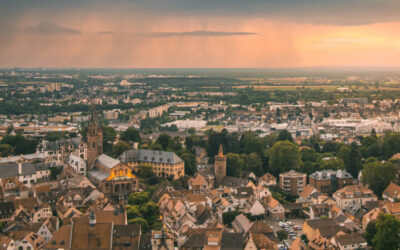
x: 206, y: 34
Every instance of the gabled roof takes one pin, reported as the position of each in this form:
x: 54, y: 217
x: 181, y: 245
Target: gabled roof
x: 60, y: 239
x: 263, y: 242
x: 150, y: 156
x: 243, y: 221
x: 232, y: 241
x: 230, y: 181
x: 260, y: 227
x: 107, y: 161
x: 392, y: 190
x: 350, y: 239
x: 85, y: 236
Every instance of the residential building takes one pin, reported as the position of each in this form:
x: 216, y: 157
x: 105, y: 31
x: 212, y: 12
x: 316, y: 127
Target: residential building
x: 349, y: 241
x: 353, y: 194
x: 292, y: 182
x: 328, y: 181
x: 391, y: 192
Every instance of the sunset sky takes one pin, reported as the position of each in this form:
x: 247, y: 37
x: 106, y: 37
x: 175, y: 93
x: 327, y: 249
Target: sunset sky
x: 199, y: 33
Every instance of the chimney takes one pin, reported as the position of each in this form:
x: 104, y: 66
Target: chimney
x: 20, y: 168
x: 92, y: 219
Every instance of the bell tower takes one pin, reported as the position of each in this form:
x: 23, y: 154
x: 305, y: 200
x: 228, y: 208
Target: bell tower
x: 219, y: 166
x: 94, y: 139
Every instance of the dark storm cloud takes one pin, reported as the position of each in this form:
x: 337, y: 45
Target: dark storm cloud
x: 204, y: 33
x: 105, y: 32
x: 335, y: 12
x: 46, y: 27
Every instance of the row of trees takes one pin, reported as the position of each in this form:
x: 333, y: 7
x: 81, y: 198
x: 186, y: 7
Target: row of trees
x: 143, y: 211
x: 16, y: 145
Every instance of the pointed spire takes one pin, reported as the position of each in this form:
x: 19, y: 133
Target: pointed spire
x: 220, y: 151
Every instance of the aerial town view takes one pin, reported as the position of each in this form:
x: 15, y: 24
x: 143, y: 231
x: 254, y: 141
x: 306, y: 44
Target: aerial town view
x: 199, y: 125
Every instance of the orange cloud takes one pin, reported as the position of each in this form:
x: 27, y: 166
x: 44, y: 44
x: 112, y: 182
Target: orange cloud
x: 112, y: 39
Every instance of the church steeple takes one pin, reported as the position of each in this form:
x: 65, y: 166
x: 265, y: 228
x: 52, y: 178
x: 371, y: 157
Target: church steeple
x: 220, y: 151
x: 219, y: 166
x: 94, y: 138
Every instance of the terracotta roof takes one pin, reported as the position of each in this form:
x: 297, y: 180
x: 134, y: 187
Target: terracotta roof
x: 271, y: 202
x: 42, y: 189
x: 60, y: 239
x: 263, y: 242
x: 4, y: 242
x: 267, y: 177
x: 349, y: 239
x: 260, y: 227
x: 393, y: 190
x: 27, y: 203
x: 85, y: 236
x: 198, y: 180
x: 355, y: 190
x: 107, y: 216
x: 307, y: 191
x: 195, y: 197
x: 393, y: 208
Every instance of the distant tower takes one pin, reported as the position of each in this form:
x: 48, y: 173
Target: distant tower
x: 94, y: 139
x: 219, y: 166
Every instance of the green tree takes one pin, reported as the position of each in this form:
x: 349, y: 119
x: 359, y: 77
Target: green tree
x: 54, y: 136
x: 378, y: 175
x: 284, y: 156
x: 163, y: 140
x: 387, y: 233
x: 138, y: 198
x: 20, y: 144
x: 6, y: 150
x: 251, y: 143
x: 373, y: 133
x: 214, y: 140
x: 370, y: 232
x: 234, y: 165
x: 190, y: 163
x: 351, y: 159
x: 229, y: 217
x: 144, y: 171
x: 189, y: 143
x: 304, y: 238
x: 119, y: 148
x: 54, y: 172
x: 130, y: 135
x: 109, y: 136
x: 333, y: 163
x: 390, y: 145
x: 282, y: 235
x: 252, y: 162
x: 132, y: 212
x: 284, y: 135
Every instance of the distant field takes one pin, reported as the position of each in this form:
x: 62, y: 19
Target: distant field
x: 288, y: 87
x: 387, y: 87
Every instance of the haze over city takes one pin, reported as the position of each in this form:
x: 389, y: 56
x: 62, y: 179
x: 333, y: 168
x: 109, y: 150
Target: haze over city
x: 199, y: 34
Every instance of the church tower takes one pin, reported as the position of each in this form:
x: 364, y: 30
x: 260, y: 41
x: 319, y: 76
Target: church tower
x: 219, y: 166
x: 94, y: 139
